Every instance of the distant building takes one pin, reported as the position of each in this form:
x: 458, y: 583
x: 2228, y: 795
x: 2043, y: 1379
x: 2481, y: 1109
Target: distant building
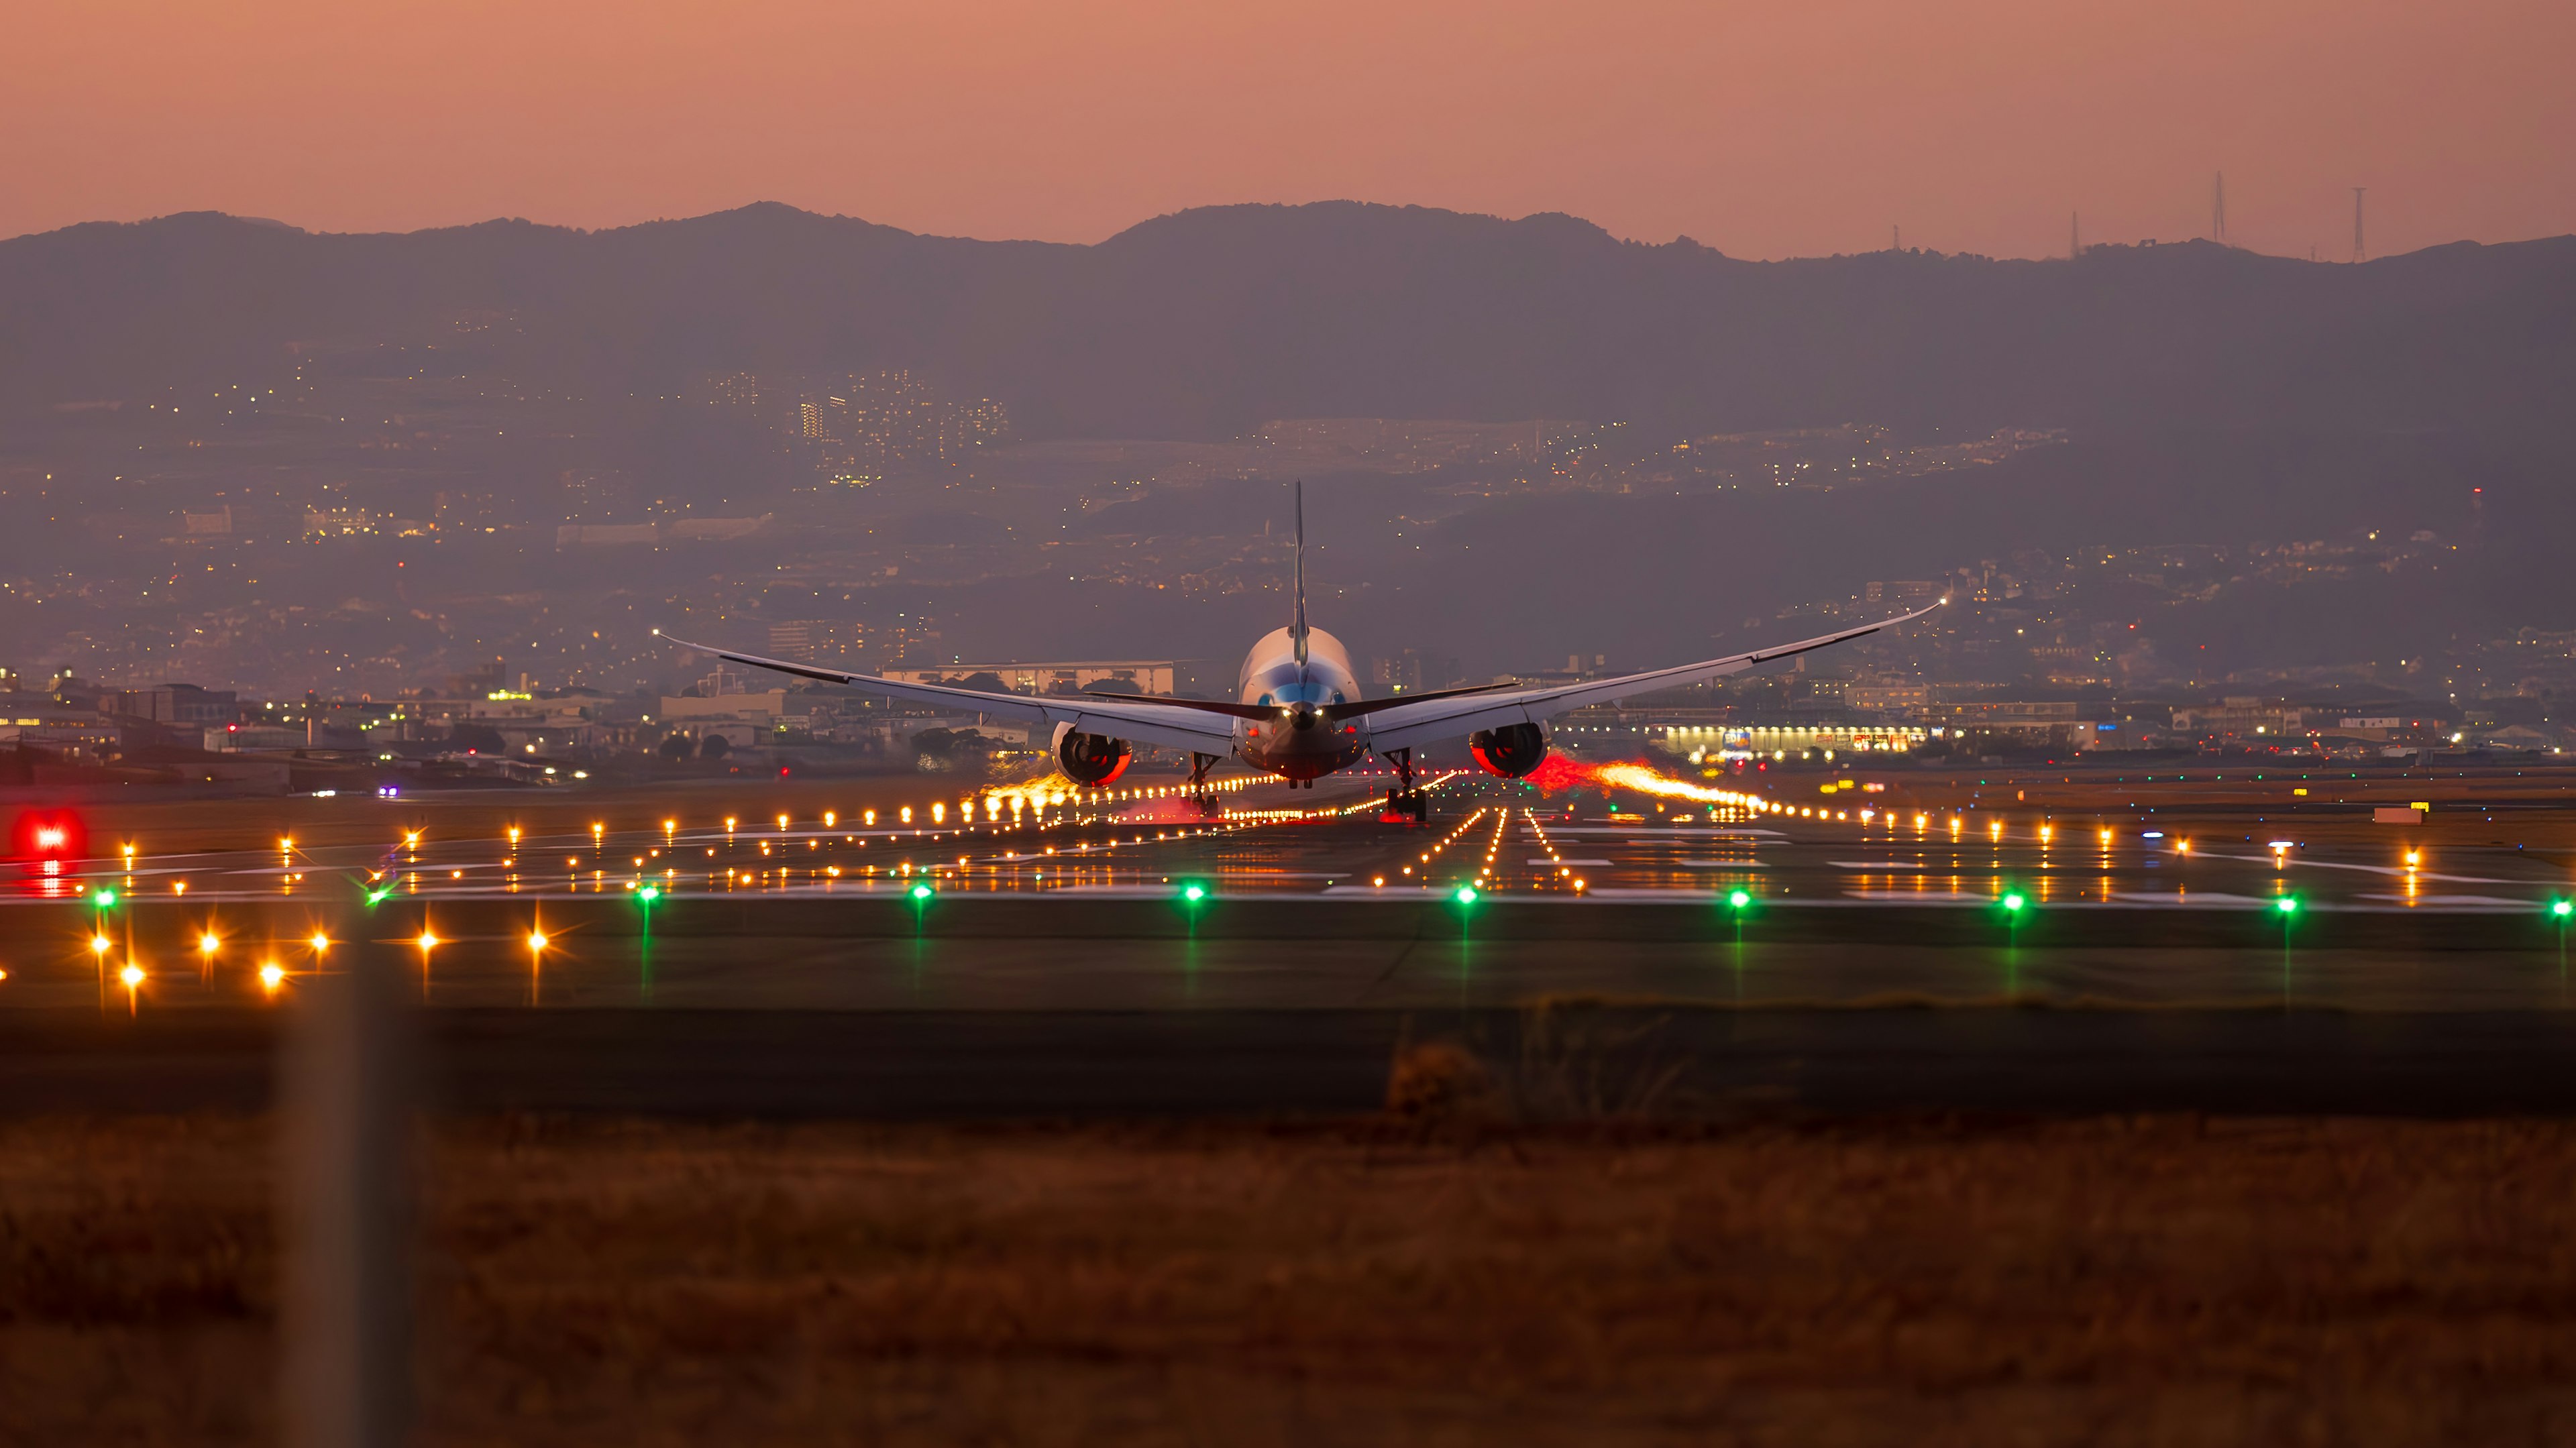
x: 1887, y: 698
x: 832, y: 642
x: 340, y: 522
x: 63, y: 731
x: 179, y: 704
x: 2242, y: 716
x: 1143, y: 676
x: 1413, y: 670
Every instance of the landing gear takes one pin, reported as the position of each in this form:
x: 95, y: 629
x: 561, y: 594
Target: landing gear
x: 1404, y: 801
x: 1200, y: 794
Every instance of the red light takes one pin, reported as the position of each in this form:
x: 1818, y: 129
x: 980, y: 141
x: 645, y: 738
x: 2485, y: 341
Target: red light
x: 49, y: 836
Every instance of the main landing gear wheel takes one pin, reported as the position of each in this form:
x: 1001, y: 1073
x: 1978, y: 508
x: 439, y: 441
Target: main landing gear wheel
x: 1404, y: 799
x: 1200, y: 794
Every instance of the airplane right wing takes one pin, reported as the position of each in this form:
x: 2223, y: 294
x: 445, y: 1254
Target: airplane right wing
x: 1204, y: 726
x: 1413, y: 723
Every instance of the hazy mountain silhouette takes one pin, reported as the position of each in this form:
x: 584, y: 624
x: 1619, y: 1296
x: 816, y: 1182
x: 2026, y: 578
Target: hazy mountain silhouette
x: 1210, y: 321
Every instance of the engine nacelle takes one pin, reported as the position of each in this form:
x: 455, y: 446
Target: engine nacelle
x: 1091, y: 760
x: 1509, y: 752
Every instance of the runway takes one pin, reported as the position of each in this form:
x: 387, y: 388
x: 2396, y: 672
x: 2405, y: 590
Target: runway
x: 2086, y: 840
x: 1128, y: 955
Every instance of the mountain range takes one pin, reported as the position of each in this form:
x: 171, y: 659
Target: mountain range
x: 1208, y: 322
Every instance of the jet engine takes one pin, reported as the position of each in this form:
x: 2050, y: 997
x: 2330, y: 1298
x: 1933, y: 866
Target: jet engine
x: 1511, y: 751
x: 1091, y: 759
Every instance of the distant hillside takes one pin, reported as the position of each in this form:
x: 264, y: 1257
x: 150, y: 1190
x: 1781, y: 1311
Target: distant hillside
x: 1208, y: 322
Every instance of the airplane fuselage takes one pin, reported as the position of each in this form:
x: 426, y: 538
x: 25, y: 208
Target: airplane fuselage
x: 1298, y: 744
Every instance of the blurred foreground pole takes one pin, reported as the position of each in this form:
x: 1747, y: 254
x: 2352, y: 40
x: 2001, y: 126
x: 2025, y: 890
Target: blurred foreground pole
x: 344, y: 1112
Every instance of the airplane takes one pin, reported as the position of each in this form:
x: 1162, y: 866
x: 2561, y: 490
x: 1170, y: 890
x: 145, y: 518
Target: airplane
x: 1298, y: 712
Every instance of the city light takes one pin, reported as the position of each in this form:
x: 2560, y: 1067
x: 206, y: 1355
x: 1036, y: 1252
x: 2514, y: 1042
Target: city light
x: 132, y: 975
x: 320, y: 942
x: 271, y: 976
x: 209, y: 943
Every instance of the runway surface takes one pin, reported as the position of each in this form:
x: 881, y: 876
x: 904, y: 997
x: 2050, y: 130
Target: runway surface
x: 2091, y: 840
x: 2066, y: 942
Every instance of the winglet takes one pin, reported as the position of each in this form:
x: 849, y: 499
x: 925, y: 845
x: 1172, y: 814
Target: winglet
x: 1297, y: 610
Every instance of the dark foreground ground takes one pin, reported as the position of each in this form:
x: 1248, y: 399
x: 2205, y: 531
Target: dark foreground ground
x: 1469, y: 1276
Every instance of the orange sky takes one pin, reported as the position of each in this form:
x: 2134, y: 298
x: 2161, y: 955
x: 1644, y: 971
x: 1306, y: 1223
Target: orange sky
x: 1790, y: 128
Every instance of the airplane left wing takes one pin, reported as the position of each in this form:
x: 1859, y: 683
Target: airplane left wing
x: 1413, y: 724
x: 1201, y: 725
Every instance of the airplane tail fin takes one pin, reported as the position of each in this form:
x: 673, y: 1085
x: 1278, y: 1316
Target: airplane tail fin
x: 1297, y: 614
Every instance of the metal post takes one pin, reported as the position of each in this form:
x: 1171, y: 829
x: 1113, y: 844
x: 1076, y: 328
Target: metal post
x: 345, y: 1119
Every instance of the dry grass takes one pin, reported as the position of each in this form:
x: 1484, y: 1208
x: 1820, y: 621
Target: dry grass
x: 2152, y: 1281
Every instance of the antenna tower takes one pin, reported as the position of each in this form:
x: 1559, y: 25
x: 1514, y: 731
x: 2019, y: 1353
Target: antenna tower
x: 2358, y: 253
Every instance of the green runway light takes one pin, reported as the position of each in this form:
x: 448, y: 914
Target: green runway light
x: 1194, y: 893
x: 921, y: 892
x: 1739, y: 899
x: 377, y: 897
x: 2287, y: 905
x: 649, y: 894
x: 2562, y: 909
x: 1466, y: 895
x: 103, y: 899
x: 2014, y: 902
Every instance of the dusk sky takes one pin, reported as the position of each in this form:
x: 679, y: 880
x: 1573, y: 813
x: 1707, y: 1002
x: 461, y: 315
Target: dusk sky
x: 1763, y: 130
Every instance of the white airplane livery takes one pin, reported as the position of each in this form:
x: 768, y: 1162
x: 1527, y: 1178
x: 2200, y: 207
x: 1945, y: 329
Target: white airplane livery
x: 1298, y: 712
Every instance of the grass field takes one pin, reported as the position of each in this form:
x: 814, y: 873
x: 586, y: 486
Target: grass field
x: 2161, y: 1280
